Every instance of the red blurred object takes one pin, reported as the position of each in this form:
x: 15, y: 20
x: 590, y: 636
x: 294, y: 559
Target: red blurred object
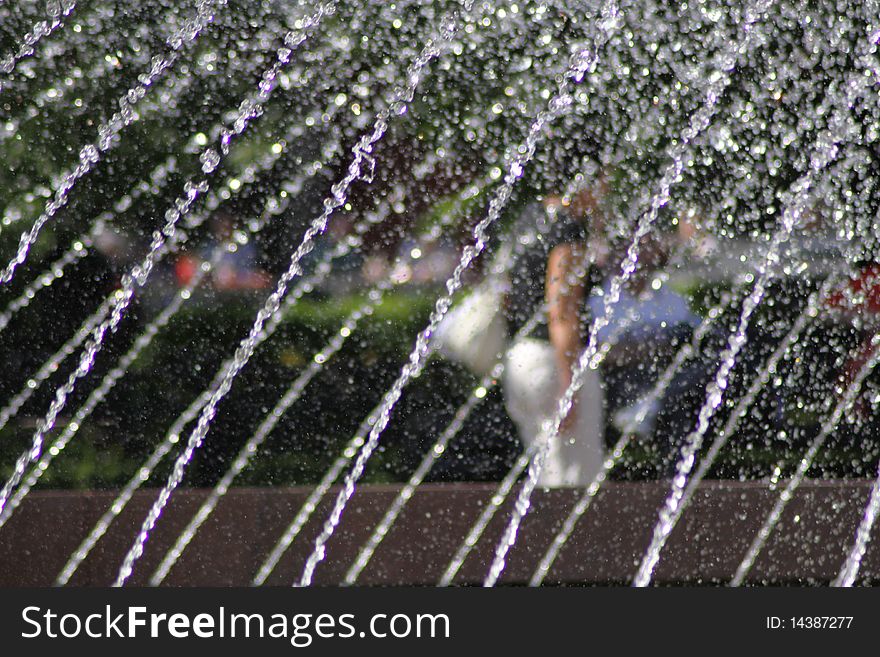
x: 185, y: 268
x: 859, y: 296
x: 861, y: 293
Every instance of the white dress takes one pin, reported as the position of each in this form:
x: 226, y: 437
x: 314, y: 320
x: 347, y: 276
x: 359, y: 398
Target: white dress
x: 531, y: 395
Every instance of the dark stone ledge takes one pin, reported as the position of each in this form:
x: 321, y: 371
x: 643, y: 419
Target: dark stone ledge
x: 808, y: 546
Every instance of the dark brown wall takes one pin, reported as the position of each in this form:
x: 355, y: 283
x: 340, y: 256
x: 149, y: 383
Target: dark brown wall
x: 809, y: 545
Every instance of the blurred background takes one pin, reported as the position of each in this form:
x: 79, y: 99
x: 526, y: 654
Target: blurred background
x: 430, y: 180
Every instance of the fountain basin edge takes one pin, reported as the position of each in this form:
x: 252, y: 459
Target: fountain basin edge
x: 808, y: 546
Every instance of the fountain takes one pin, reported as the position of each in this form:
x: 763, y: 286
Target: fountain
x: 236, y: 236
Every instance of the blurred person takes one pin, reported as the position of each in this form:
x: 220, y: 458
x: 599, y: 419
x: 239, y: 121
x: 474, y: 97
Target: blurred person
x: 347, y: 270
x: 238, y: 267
x: 434, y: 261
x: 556, y: 270
x: 651, y: 320
x: 857, y: 302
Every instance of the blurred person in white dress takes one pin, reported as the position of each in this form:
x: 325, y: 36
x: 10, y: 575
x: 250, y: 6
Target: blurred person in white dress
x: 560, y: 266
